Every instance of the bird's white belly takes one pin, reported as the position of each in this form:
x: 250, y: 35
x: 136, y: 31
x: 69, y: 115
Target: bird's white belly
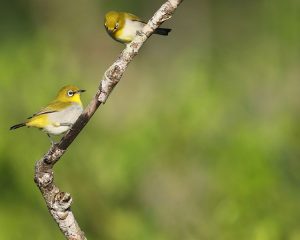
x: 130, y: 29
x: 66, y: 116
x: 56, y: 130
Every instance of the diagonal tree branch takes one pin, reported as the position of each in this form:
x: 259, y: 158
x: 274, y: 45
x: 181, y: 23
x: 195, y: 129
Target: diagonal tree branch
x: 59, y: 202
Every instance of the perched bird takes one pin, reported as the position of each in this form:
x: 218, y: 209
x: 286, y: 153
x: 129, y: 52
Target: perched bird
x: 123, y: 27
x: 59, y: 115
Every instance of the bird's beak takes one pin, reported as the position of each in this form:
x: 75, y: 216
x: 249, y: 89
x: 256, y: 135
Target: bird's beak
x: 110, y: 30
x: 81, y: 91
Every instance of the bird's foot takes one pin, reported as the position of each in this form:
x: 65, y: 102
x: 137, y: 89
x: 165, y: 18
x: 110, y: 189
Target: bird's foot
x: 51, y: 140
x: 139, y: 33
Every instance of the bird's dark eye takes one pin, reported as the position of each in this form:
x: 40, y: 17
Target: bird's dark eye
x: 117, y: 25
x: 70, y: 93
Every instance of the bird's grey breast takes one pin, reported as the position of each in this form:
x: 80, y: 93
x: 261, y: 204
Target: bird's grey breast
x: 67, y: 115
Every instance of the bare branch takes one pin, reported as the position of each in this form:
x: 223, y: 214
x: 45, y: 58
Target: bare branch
x: 59, y: 202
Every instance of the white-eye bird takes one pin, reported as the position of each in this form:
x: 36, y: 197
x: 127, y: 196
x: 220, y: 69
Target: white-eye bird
x: 59, y: 115
x: 123, y: 27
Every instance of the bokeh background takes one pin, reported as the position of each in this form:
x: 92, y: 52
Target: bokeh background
x: 200, y: 140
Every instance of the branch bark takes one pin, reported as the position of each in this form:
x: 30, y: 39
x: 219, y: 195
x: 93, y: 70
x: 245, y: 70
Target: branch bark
x: 59, y: 202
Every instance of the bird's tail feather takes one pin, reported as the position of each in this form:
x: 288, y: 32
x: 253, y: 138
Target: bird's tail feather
x: 162, y: 31
x: 17, y: 126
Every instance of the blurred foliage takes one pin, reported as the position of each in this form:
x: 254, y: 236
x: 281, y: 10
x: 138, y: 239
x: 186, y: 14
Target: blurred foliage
x: 200, y: 140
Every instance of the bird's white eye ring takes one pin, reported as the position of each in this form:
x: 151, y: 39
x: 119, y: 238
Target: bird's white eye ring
x: 117, y: 25
x: 70, y: 93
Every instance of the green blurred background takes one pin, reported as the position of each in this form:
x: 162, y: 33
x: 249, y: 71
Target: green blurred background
x: 200, y: 140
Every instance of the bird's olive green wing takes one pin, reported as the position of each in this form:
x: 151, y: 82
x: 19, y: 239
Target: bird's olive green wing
x: 41, y: 112
x: 51, y: 108
x: 134, y: 18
